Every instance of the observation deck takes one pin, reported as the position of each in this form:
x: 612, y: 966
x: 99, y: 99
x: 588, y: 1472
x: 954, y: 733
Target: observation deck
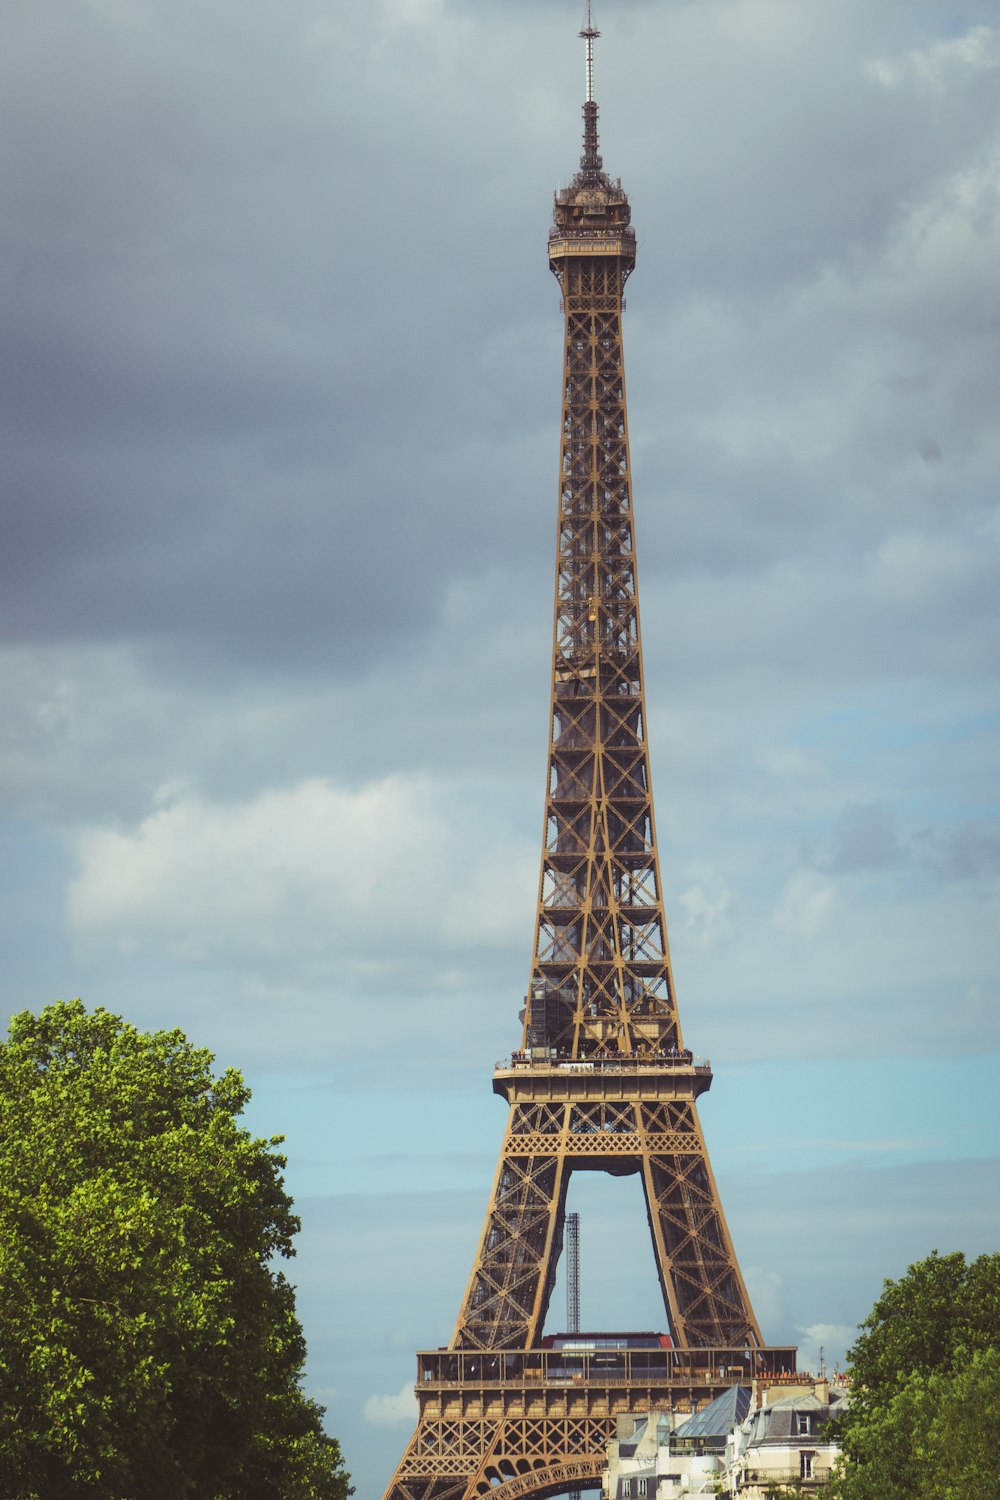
x: 525, y: 1075
x: 565, y: 241
x: 612, y: 1377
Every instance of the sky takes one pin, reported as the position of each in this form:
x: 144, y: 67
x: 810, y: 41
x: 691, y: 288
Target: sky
x: 280, y: 379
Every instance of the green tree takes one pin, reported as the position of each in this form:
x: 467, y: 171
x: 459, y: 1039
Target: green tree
x: 148, y: 1348
x: 925, y: 1403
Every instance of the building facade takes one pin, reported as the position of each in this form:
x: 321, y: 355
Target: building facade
x: 754, y: 1442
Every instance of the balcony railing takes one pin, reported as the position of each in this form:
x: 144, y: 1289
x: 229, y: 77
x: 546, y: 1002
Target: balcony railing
x: 656, y: 1062
x: 768, y: 1479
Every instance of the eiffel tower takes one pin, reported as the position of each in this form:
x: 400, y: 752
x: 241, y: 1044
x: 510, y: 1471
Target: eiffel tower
x: 602, y: 1080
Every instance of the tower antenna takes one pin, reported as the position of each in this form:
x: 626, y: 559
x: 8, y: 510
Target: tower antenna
x: 573, y: 1289
x: 589, y: 33
x: 572, y: 1273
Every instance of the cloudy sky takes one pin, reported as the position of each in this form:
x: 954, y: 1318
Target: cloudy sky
x: 280, y: 373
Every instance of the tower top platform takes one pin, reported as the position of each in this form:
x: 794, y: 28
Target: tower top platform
x: 592, y: 214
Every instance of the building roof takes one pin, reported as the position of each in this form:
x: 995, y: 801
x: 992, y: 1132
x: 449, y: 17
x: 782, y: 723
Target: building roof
x: 720, y: 1416
x: 779, y: 1421
x: 627, y: 1446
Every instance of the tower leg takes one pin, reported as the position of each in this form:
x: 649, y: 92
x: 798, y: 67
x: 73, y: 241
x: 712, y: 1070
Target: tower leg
x: 596, y: 1126
x: 706, y: 1298
x: 511, y: 1283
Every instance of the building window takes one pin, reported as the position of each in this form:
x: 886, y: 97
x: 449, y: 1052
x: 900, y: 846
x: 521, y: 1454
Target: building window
x: 806, y: 1465
x: 642, y: 1486
x: 805, y: 1423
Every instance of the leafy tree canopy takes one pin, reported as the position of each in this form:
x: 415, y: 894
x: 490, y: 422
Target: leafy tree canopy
x: 925, y: 1401
x: 148, y: 1349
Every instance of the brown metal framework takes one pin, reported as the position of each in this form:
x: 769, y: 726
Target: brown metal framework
x: 602, y: 1081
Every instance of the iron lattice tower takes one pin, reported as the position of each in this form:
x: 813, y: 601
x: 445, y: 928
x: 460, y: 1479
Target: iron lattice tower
x: 602, y: 1080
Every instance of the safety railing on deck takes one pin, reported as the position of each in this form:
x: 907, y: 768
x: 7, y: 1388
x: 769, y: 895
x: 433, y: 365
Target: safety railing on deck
x: 628, y: 1367
x: 653, y: 1062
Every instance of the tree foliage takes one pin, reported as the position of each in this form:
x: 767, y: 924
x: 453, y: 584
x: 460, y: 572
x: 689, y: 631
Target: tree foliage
x: 148, y: 1348
x: 925, y: 1402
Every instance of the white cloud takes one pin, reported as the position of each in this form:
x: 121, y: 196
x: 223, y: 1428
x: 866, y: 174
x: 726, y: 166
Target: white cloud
x: 825, y: 1345
x: 706, y: 906
x: 412, y: 12
x: 767, y: 1295
x: 308, y: 880
x: 326, y: 1395
x: 935, y: 67
x: 918, y: 570
x: 807, y: 905
x: 389, y: 1411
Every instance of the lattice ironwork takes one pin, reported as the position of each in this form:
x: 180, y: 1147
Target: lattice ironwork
x: 602, y: 1081
x: 537, y: 1422
x: 507, y: 1298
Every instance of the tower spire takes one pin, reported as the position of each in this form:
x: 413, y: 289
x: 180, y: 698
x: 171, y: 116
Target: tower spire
x: 590, y: 161
x: 589, y: 33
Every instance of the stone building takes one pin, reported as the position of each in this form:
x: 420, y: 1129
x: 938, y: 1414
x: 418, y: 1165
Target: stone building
x: 784, y: 1441
x: 751, y: 1443
x: 670, y: 1455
